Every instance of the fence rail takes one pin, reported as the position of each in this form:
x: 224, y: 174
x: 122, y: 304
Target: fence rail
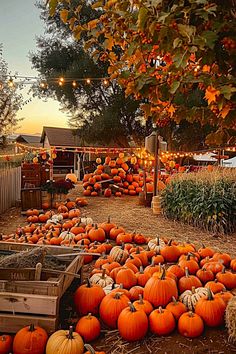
x: 10, y: 187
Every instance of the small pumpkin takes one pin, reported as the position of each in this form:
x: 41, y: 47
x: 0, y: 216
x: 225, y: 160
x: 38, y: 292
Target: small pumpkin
x: 206, y: 251
x: 137, y: 323
x: 65, y: 341
x: 5, y: 343
x: 188, y: 281
x: 135, y: 291
x: 228, y: 279
x: 90, y: 350
x: 215, y: 286
x: 162, y: 321
x: 156, y: 244
x: 118, y: 254
x: 176, y: 307
x: 87, y: 298
x: 30, y: 340
x: 144, y: 305
x: 190, y: 297
x: 88, y: 327
x: 101, y: 279
x: 190, y: 325
x: 170, y: 252
x: 126, y: 277
x: 205, y: 275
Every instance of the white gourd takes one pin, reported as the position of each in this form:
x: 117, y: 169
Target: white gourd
x: 156, y: 244
x: 190, y: 297
x: 101, y: 279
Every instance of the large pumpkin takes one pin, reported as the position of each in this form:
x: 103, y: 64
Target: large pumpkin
x: 87, y: 298
x: 132, y: 324
x: 30, y: 340
x: 111, y: 307
x: 65, y: 342
x: 211, y: 309
x: 159, y: 291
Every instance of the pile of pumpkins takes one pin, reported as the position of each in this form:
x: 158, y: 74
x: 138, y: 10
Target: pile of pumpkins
x: 158, y: 287
x: 118, y: 171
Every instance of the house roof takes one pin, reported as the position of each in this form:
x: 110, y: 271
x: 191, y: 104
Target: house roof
x: 71, y: 137
x: 29, y: 139
x: 60, y: 136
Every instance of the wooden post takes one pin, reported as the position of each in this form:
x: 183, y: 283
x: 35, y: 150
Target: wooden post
x: 75, y: 161
x: 156, y: 163
x: 78, y: 168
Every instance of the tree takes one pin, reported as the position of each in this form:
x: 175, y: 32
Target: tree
x: 10, y: 101
x: 178, y: 55
x: 100, y: 110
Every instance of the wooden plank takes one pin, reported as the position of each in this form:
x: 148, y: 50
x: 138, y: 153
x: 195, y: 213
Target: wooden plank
x: 31, y: 287
x: 13, y: 323
x: 28, y: 303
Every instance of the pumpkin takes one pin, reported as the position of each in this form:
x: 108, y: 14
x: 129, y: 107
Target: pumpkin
x: 191, y: 264
x: 233, y: 265
x: 176, y: 270
x: 205, y: 275
x: 188, y: 281
x: 142, y: 277
x: 159, y: 291
x: 87, y: 298
x: 108, y: 289
x: 64, y: 341
x: 90, y: 350
x: 156, y: 244
x: 5, y: 343
x: 132, y: 323
x: 228, y: 279
x: 215, y: 267
x: 126, y: 277
x: 118, y: 254
x: 107, y: 192
x: 222, y: 257
x: 107, y: 226
x: 170, y: 252
x: 190, y: 297
x: 101, y: 279
x: 211, y: 309
x: 176, y: 307
x: 190, y: 325
x: 115, y: 231
x: 96, y: 234
x: 135, y: 291
x: 142, y: 255
x: 88, y: 327
x: 124, y: 238
x: 30, y: 340
x: 111, y: 307
x: 215, y: 286
x: 225, y: 295
x: 156, y: 259
x: 162, y: 321
x: 205, y: 252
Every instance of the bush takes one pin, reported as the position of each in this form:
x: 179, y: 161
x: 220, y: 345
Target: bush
x: 204, y: 199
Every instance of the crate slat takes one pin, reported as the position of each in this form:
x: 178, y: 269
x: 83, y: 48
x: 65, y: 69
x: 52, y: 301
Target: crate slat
x: 28, y: 303
x: 13, y: 323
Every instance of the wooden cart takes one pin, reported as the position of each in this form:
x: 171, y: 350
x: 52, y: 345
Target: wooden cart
x: 24, y: 300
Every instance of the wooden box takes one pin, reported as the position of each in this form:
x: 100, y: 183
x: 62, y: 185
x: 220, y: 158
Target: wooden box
x: 31, y: 198
x: 24, y: 300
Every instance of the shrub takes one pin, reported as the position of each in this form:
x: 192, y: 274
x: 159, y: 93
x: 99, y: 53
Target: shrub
x: 204, y: 199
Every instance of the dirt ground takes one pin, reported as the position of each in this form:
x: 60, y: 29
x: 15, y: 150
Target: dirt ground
x: 126, y: 212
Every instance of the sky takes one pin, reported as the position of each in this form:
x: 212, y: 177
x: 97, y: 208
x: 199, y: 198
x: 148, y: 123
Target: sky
x: 19, y: 25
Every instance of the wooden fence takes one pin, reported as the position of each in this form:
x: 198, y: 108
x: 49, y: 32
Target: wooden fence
x: 10, y: 187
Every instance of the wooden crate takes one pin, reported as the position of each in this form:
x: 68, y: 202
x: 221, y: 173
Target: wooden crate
x: 31, y: 198
x: 24, y: 300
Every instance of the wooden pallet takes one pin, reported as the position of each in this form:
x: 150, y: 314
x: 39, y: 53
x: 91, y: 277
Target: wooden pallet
x: 24, y: 300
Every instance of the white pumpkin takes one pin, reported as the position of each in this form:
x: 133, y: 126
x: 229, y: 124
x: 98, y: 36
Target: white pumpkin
x: 86, y: 221
x: 156, y: 244
x: 190, y: 297
x: 67, y: 235
x: 110, y: 287
x: 118, y: 254
x: 58, y: 217
x: 101, y: 279
x: 52, y: 221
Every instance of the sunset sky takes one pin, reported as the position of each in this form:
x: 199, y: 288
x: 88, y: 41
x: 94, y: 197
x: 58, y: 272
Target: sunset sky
x: 19, y: 25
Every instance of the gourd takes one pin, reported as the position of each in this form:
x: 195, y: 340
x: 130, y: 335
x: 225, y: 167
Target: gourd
x: 118, y: 254
x: 190, y: 297
x: 156, y: 244
x: 101, y: 279
x: 65, y: 341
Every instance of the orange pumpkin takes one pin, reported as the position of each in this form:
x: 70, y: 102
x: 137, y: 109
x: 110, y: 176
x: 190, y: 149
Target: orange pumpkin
x: 30, y: 340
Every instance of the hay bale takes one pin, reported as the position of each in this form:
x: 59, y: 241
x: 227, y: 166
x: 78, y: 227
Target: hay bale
x: 25, y: 259
x: 230, y: 319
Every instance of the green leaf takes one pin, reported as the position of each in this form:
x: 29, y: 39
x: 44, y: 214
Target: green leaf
x: 174, y: 86
x: 227, y: 91
x: 186, y: 31
x: 52, y: 7
x: 142, y: 17
x: 64, y: 15
x: 163, y: 16
x: 180, y: 59
x: 210, y: 38
x: 177, y: 42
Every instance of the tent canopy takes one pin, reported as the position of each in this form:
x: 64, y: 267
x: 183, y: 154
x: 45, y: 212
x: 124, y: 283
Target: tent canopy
x: 230, y: 162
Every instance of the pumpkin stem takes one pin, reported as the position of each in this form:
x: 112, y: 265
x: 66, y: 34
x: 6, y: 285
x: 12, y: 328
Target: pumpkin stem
x: 140, y: 299
x: 174, y: 300
x: 210, y: 294
x: 141, y: 269
x: 186, y: 272
x: 109, y: 219
x: 223, y: 270
x: 163, y: 275
x: 89, y: 348
x: 103, y: 273
x: 160, y: 309
x: 203, y: 246
x: 70, y: 334
x: 122, y: 246
x: 131, y: 306
x: 193, y: 290
x: 191, y: 314
x: 170, y: 242
x: 121, y: 286
x: 89, y: 315
x: 88, y: 283
x: 117, y: 295
x: 31, y: 327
